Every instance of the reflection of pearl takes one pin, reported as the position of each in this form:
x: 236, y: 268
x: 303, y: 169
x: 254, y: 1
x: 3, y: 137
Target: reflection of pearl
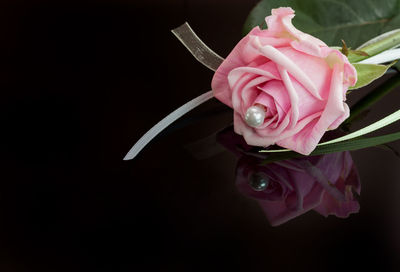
x: 255, y: 116
x: 258, y: 182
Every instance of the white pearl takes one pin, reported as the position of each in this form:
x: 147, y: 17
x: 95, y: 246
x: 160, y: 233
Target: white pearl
x: 255, y: 116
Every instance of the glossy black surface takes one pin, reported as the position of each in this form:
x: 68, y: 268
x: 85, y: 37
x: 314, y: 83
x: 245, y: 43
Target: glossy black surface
x: 77, y: 81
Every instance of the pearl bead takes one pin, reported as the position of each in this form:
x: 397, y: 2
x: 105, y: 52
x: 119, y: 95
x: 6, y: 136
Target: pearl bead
x: 258, y: 182
x: 255, y: 116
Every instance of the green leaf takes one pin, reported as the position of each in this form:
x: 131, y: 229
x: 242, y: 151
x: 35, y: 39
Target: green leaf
x: 333, y: 20
x: 356, y: 55
x: 385, y: 41
x: 366, y: 73
x: 350, y: 145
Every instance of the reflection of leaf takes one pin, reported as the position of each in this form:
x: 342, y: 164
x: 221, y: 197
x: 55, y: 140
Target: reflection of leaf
x: 388, y: 147
x: 353, y: 144
x: 334, y: 20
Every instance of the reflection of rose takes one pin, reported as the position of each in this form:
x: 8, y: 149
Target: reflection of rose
x: 290, y: 188
x: 285, y: 86
x: 287, y: 189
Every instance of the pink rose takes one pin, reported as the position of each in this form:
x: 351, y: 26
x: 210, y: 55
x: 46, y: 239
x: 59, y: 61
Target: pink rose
x: 286, y: 87
x: 290, y: 188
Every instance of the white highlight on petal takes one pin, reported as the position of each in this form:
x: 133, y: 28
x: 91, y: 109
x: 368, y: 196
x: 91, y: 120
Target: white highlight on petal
x: 236, y: 73
x: 169, y: 119
x: 294, y: 98
x: 334, y: 107
x: 280, y: 59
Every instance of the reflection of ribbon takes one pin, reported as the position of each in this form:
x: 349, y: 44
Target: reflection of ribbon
x: 287, y: 189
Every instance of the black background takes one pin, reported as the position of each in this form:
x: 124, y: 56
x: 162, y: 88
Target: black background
x: 81, y: 81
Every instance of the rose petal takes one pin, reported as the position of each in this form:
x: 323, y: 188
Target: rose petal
x: 299, y: 127
x: 294, y: 98
x: 306, y: 141
x: 266, y: 71
x: 295, y: 142
x: 317, y: 69
x: 241, y: 56
x: 350, y: 76
x: 340, y: 119
x: 281, y: 60
x: 280, y: 25
x: 237, y: 88
x: 280, y: 99
x: 274, y: 21
x: 334, y: 108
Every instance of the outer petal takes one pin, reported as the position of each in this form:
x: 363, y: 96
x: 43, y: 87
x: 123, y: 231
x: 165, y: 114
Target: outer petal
x: 274, y: 21
x: 350, y: 74
x: 235, y: 59
x: 343, y: 117
x: 296, y: 142
x: 334, y: 108
x: 306, y: 141
x: 335, y: 56
x: 280, y: 25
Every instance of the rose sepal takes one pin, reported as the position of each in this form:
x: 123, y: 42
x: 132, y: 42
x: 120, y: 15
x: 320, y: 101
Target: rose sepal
x: 366, y: 73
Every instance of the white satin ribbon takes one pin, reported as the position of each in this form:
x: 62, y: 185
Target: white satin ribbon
x: 160, y: 126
